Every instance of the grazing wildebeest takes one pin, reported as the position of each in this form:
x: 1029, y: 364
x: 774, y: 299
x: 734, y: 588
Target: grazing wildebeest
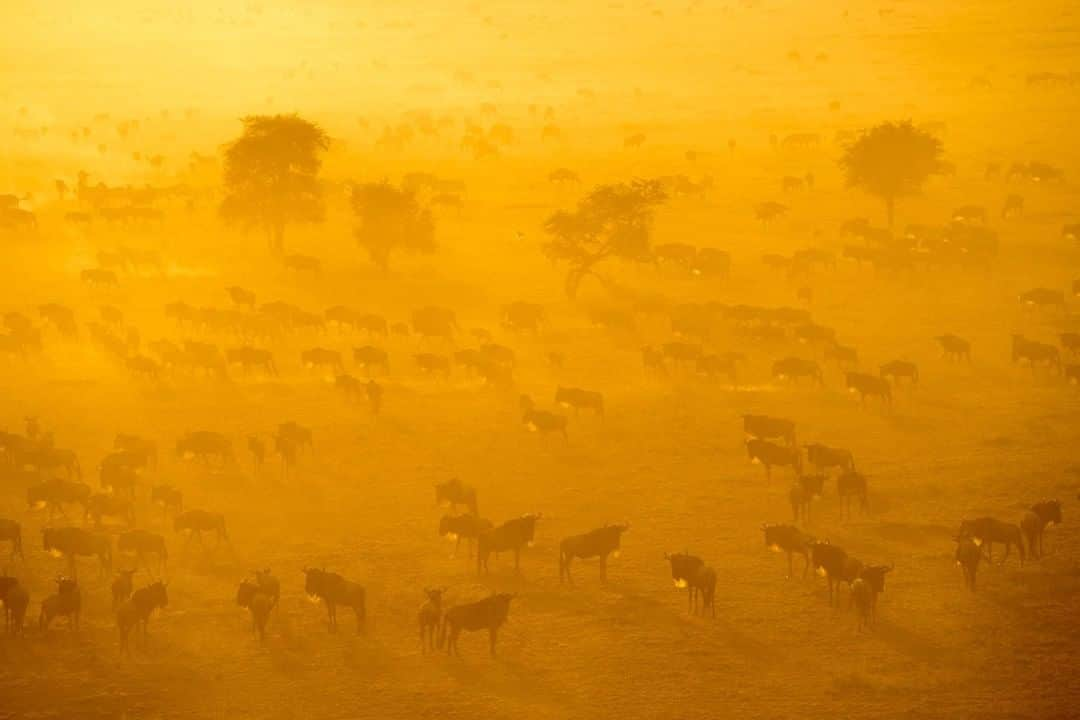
x: 987, y: 531
x: 322, y: 359
x: 541, y: 421
x: 764, y: 427
x: 142, y: 543
x: 72, y: 542
x: 453, y: 492
x: 849, y: 486
x: 56, y: 493
x: 829, y: 561
x: 370, y: 358
x: 1043, y: 298
x: 578, y: 399
x: 968, y: 556
x: 691, y: 572
x: 102, y: 505
x: 467, y: 526
x: 788, y: 539
x: 430, y: 364
x: 335, y: 590
x: 250, y: 595
x: 429, y: 618
x: 869, y: 385
x: 199, y: 521
x: 251, y: 358
x: 793, y: 368
x: 802, y: 493
x: 1035, y: 353
x: 136, y: 611
x: 872, y: 578
x: 487, y: 614
x: 770, y: 454
x: 900, y: 369
x: 168, y: 497
x: 372, y: 324
x: 954, y: 348
x: 862, y: 597
x: 15, y: 599
x: 205, y: 445
x: 1034, y: 523
x: 824, y: 457
x: 49, y: 458
x: 11, y: 531
x: 122, y: 587
x: 595, y: 543
x: 512, y: 535
x: 843, y: 355
x: 66, y: 601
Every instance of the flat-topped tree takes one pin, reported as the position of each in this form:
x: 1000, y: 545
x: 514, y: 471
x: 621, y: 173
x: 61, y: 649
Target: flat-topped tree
x: 272, y: 174
x: 892, y: 160
x: 611, y: 221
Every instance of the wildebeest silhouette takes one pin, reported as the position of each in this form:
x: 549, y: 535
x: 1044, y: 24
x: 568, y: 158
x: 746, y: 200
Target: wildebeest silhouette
x: 600, y: 543
x: 524, y: 317
x: 690, y: 572
x: 136, y: 611
x: 205, y: 445
x: 764, y: 427
x: 512, y: 535
x: 862, y: 597
x: 852, y: 486
x: 900, y: 369
x: 66, y: 601
x: 241, y: 297
x: 142, y: 451
x: 872, y: 578
x: 73, y: 542
x: 142, y: 543
x: 1035, y: 353
x: 335, y: 590
x: 1043, y: 298
x: 580, y: 399
x: 824, y: 457
x: 196, y: 522
x: 453, y: 492
x: 828, y: 561
x: 468, y: 527
x: 170, y: 498
x: 968, y: 556
x: 252, y: 358
x: 770, y: 455
x: 788, y: 539
x: 431, y: 364
x: 954, y: 348
x: 434, y: 322
x: 1034, y: 522
x: 793, y: 368
x: 488, y: 614
x: 712, y: 366
x: 429, y: 618
x: 102, y: 505
x: 985, y: 531
x: 869, y: 386
x: 322, y: 359
x: 16, y: 599
x: 11, y: 531
x: 55, y: 493
x: 250, y: 595
x: 802, y: 494
x: 541, y: 421
x: 122, y: 587
x: 370, y: 358
x: 842, y: 355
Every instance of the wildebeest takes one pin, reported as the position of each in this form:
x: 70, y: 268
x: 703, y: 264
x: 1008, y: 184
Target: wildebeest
x: 900, y: 369
x: 250, y: 595
x: 769, y: 454
x: 136, y: 611
x: 142, y: 452
x: 335, y: 590
x: 431, y: 364
x: 66, y: 601
x: 142, y: 543
x: 968, y: 556
x: 11, y: 531
x: 824, y: 457
x: 829, y: 561
x: 1043, y: 298
x: 429, y: 618
x: 1034, y: 523
x: 802, y: 493
x: 872, y: 578
x: 453, y: 492
x: 523, y: 317
x: 579, y: 399
x: 15, y: 599
x: 122, y: 587
x: 512, y: 535
x: 541, y: 421
x: 987, y: 531
x: 488, y: 614
x: 862, y: 597
x: 242, y: 297
x: 764, y: 427
x: 869, y: 386
x: 73, y: 542
x: 369, y: 358
x: 595, y: 543
x: 788, y: 539
x: 850, y: 486
x: 434, y: 322
x: 468, y: 527
x: 954, y: 348
x: 102, y: 505
x: 56, y: 493
x: 691, y: 572
x: 168, y: 497
x: 712, y: 366
x: 205, y: 445
x: 1035, y: 353
x: 843, y: 355
x: 793, y: 368
x: 322, y: 359
x: 196, y: 522
x: 251, y: 358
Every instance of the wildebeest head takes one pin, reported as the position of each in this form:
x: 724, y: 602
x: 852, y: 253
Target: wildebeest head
x: 1048, y: 510
x: 684, y: 566
x: 874, y: 575
x: 246, y: 593
x: 434, y: 595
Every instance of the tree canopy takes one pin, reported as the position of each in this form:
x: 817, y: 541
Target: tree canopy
x: 611, y: 221
x: 892, y: 160
x: 272, y: 174
x: 391, y: 219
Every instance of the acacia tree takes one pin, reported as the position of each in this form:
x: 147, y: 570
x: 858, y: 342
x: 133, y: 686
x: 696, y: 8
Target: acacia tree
x: 613, y: 221
x: 272, y: 174
x: 391, y: 219
x: 891, y: 160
